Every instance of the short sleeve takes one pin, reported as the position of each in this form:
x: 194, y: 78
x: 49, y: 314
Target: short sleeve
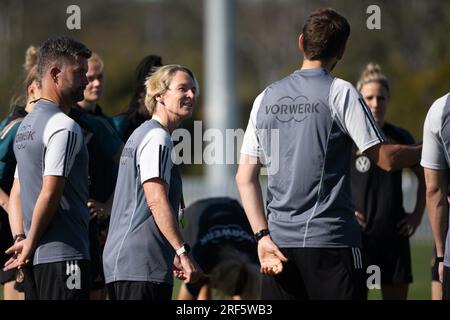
x: 251, y: 145
x: 353, y: 115
x: 60, y: 152
x: 433, y: 149
x: 155, y: 156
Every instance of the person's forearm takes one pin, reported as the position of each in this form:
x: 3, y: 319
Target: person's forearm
x: 252, y: 201
x: 44, y: 211
x: 166, y: 221
x: 437, y: 207
x: 15, y: 210
x: 419, y: 208
x: 395, y: 156
x: 4, y: 200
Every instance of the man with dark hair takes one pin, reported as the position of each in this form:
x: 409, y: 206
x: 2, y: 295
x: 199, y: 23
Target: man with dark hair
x: 51, y: 180
x: 303, y: 128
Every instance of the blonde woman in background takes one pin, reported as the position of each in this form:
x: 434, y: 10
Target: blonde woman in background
x: 378, y: 197
x: 8, y: 129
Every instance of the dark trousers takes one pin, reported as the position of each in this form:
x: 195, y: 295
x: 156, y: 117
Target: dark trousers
x: 66, y: 280
x: 446, y: 284
x: 317, y: 274
x: 139, y: 290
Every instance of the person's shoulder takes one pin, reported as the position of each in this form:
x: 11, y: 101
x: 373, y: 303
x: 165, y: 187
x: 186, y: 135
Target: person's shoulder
x: 434, y: 114
x: 439, y: 104
x: 342, y: 85
x: 94, y: 123
x: 271, y: 89
x: 61, y: 121
x: 403, y: 135
x: 281, y: 83
x: 120, y: 122
x: 10, y: 129
x: 119, y: 118
x: 155, y: 132
x: 390, y: 126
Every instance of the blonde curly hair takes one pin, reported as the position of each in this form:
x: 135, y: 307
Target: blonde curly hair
x: 158, y: 83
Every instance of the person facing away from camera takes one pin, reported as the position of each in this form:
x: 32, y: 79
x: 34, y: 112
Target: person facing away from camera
x: 309, y: 242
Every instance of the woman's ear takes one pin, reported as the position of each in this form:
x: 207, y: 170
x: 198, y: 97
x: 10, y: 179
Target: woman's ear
x: 159, y: 99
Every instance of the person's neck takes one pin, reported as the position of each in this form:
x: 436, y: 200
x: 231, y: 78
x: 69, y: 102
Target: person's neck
x: 315, y: 64
x: 29, y: 106
x: 165, y: 121
x: 88, y: 106
x: 53, y: 96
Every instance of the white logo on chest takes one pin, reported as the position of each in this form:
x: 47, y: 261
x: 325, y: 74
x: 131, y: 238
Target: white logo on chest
x: 362, y: 164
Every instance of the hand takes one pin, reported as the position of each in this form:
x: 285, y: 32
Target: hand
x: 22, y: 250
x: 270, y: 257
x: 408, y: 225
x: 361, y: 220
x: 98, y: 209
x: 185, y: 268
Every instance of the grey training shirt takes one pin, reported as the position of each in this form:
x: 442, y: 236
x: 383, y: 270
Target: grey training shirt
x: 302, y: 128
x: 135, y: 249
x: 49, y: 143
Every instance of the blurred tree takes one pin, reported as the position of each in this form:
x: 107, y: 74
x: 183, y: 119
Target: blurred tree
x: 411, y: 47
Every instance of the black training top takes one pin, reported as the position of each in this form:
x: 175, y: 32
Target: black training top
x: 377, y: 194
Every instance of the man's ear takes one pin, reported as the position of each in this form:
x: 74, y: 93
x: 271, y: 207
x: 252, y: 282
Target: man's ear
x: 54, y: 71
x: 300, y: 43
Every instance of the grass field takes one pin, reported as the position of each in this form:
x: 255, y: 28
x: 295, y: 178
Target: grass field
x: 419, y: 290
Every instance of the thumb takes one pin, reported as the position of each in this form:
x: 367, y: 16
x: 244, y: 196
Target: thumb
x: 12, y: 249
x: 280, y: 255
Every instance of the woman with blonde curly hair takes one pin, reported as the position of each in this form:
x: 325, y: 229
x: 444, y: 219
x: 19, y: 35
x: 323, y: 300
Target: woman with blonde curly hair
x: 144, y: 243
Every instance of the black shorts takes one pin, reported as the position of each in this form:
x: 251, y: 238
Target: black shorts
x: 434, y: 267
x: 392, y: 256
x: 139, y: 290
x: 446, y: 284
x: 317, y: 274
x: 66, y: 280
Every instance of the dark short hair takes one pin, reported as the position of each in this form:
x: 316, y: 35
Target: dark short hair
x: 59, y: 50
x: 324, y: 34
x: 137, y: 112
x: 145, y: 68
